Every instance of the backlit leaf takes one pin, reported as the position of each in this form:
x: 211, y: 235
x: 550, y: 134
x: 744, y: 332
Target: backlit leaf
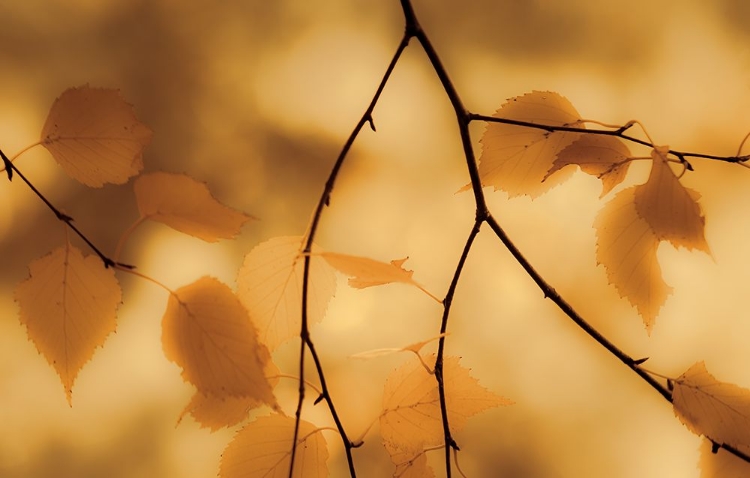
x: 68, y: 306
x: 409, y: 463
x: 626, y: 246
x: 263, y: 449
x: 722, y: 464
x: 269, y: 284
x: 94, y: 135
x: 602, y: 156
x: 720, y: 411
x: 186, y: 205
x: 411, y: 418
x: 517, y: 159
x: 669, y: 208
x: 365, y: 272
x: 207, y: 332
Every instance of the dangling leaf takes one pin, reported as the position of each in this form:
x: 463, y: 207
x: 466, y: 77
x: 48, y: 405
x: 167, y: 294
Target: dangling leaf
x: 411, y: 418
x: 720, y: 411
x: 269, y: 284
x: 669, y: 208
x: 186, y: 205
x: 626, y: 246
x: 605, y: 157
x: 68, y: 305
x: 263, y: 449
x: 365, y: 272
x: 517, y: 159
x: 207, y: 332
x: 94, y: 135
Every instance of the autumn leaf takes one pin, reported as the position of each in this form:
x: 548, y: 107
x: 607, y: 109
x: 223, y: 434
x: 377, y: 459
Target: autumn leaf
x: 94, y: 135
x: 68, y: 305
x: 186, y: 205
x: 722, y: 464
x: 411, y: 417
x: 409, y: 463
x: 517, y: 159
x: 670, y: 209
x: 720, y: 411
x: 605, y: 157
x: 263, y: 449
x: 626, y: 246
x: 269, y: 284
x: 207, y: 332
x: 214, y: 412
x: 365, y: 272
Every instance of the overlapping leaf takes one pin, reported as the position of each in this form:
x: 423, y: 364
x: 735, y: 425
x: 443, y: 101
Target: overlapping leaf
x: 365, y: 272
x: 68, y: 305
x: 186, y: 205
x: 207, y: 332
x: 605, y: 157
x: 517, y: 159
x: 708, y: 407
x: 409, y: 463
x: 263, y: 449
x: 411, y: 418
x: 94, y: 135
x: 269, y: 284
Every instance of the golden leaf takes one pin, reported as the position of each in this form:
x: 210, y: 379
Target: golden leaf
x: 602, y: 156
x: 207, y: 332
x: 411, y: 417
x: 626, y: 246
x: 94, y: 135
x: 517, y: 159
x: 708, y: 407
x: 269, y: 284
x: 68, y: 305
x: 409, y: 463
x: 263, y: 449
x: 669, y: 208
x: 186, y: 205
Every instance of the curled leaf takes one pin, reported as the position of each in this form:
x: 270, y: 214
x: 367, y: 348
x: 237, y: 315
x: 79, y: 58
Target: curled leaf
x: 94, y: 135
x: 186, y: 205
x: 68, y: 305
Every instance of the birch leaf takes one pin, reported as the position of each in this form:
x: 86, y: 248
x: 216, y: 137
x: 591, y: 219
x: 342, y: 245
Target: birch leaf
x: 669, y: 208
x: 410, y: 464
x: 186, y: 205
x: 722, y: 464
x: 517, y: 159
x: 213, y: 412
x: 263, y: 449
x: 720, y: 411
x: 626, y: 246
x: 68, y: 305
x: 94, y: 135
x: 411, y: 418
x: 208, y: 333
x: 365, y: 272
x: 269, y: 284
x: 605, y: 157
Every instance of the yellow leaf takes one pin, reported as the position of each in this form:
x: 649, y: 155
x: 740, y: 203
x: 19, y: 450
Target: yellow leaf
x: 214, y: 412
x: 708, y: 407
x: 263, y: 449
x: 409, y: 463
x: 94, y: 135
x: 411, y: 417
x: 207, y: 332
x: 186, y: 205
x: 626, y: 247
x: 68, y: 305
x: 366, y: 272
x: 602, y: 156
x: 722, y: 464
x: 269, y: 284
x: 670, y: 209
x: 516, y: 159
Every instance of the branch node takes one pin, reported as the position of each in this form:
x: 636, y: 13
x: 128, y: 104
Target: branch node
x: 715, y: 447
x: 356, y: 444
x: 320, y: 398
x: 372, y: 123
x: 640, y: 360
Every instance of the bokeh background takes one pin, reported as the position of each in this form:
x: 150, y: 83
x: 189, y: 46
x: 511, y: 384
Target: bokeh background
x: 257, y: 97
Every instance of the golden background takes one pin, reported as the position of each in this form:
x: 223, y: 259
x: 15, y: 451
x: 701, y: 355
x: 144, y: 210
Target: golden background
x: 257, y: 97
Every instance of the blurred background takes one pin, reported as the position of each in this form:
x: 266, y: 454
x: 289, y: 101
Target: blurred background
x: 256, y: 98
